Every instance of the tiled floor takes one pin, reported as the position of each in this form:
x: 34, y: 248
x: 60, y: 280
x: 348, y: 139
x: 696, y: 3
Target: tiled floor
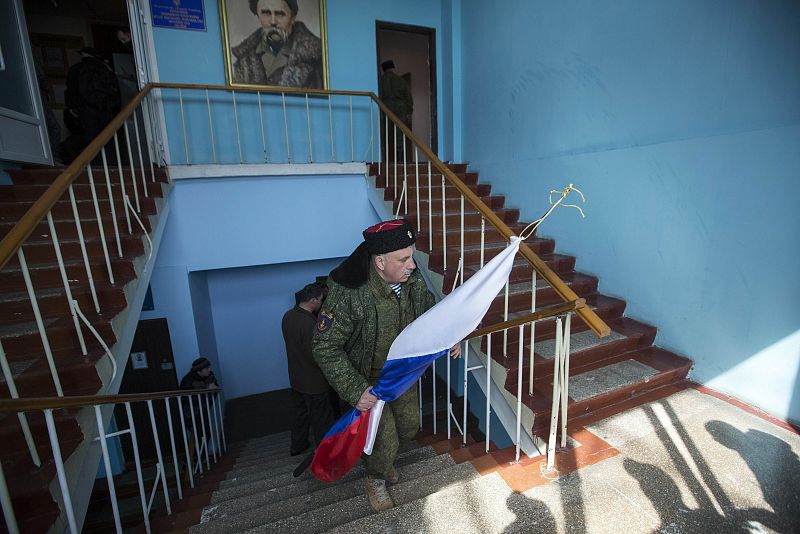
x: 690, y: 462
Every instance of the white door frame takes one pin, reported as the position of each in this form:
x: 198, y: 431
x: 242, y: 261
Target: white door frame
x: 144, y: 52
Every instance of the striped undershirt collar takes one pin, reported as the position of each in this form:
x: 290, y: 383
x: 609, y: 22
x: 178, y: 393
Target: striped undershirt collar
x: 396, y: 288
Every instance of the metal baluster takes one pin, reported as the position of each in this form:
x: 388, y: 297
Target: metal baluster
x: 416, y: 168
x: 8, y: 508
x: 141, y: 157
x: 261, y: 122
x: 466, y: 388
x: 352, y: 145
x: 100, y: 228
x: 221, y: 422
x: 395, y: 159
x: 23, y: 419
x: 308, y: 124
x: 111, y: 203
x: 39, y: 323
x: 519, y: 389
x: 444, y: 224
x: 183, y: 125
x: 430, y: 210
x: 185, y: 443
x: 196, y: 439
x: 434, y: 396
x: 463, y: 260
x: 551, y: 442
x: 419, y: 390
x: 138, y: 463
x: 101, y: 436
x: 533, y: 333
x: 159, y: 456
x: 330, y: 122
x: 210, y: 429
x: 174, y: 450
x: 122, y: 181
x: 483, y: 238
x: 211, y: 128
x: 65, y: 281
x: 488, y: 388
x: 386, y: 139
x: 505, y: 318
x: 130, y: 166
x: 405, y: 174
x: 448, y: 396
x: 286, y: 128
x: 565, y: 379
x: 236, y: 123
x: 216, y: 424
x: 203, y: 426
x: 62, y: 476
x: 372, y: 135
x: 82, y: 242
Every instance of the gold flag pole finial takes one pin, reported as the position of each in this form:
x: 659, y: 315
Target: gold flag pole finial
x: 529, y: 230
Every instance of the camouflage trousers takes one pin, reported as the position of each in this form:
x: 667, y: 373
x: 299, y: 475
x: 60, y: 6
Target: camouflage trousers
x: 399, y: 425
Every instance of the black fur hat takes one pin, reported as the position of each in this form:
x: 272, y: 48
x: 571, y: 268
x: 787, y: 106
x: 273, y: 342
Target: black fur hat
x: 386, y: 236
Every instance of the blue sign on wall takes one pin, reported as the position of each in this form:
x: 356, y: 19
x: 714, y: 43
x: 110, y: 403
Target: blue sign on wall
x: 178, y: 14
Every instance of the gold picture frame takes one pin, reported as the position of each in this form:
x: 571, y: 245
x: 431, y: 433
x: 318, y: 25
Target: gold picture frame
x: 288, y: 56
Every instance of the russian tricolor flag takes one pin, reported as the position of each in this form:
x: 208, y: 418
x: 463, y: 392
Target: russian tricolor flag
x: 429, y: 337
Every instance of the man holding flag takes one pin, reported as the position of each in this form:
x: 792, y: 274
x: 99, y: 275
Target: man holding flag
x: 374, y: 294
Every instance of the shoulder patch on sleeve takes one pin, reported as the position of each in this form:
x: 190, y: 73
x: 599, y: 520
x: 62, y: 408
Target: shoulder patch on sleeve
x: 324, y: 321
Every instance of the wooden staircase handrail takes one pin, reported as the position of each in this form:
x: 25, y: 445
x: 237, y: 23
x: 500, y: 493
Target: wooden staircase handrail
x: 538, y: 315
x: 563, y: 290
x: 80, y: 401
x: 38, y: 211
x: 14, y: 239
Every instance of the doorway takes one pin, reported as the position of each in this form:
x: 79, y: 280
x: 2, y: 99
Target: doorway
x: 150, y: 368
x: 413, y: 51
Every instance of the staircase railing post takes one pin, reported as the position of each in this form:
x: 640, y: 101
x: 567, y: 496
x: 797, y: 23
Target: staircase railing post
x: 101, y: 437
x: 65, y: 281
x: 159, y: 456
x: 8, y: 508
x: 100, y: 228
x: 519, y: 390
x: 23, y: 419
x: 211, y: 126
x: 488, y: 389
x: 111, y: 202
x: 174, y: 450
x: 138, y: 464
x: 62, y: 476
x: 189, y: 469
x: 130, y: 166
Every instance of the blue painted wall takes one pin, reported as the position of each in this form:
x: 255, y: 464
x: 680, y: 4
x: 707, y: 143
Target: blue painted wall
x: 225, y: 235
x: 680, y: 121
x: 248, y: 304
x: 204, y: 324
x: 353, y: 66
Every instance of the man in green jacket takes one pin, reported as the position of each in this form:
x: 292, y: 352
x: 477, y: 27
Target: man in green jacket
x: 374, y: 294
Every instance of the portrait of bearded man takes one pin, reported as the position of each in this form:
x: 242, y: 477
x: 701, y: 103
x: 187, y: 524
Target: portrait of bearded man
x: 283, y: 51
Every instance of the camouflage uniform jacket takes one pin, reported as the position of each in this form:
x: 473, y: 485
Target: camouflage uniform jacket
x: 347, y: 332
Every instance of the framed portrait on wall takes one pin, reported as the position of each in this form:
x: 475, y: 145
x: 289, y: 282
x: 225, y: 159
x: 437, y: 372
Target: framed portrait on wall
x: 275, y: 43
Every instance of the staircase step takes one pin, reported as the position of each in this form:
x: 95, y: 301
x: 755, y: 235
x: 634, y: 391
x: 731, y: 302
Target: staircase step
x: 242, y: 514
x: 333, y: 515
x: 626, y: 335
x: 478, y: 504
x: 67, y: 229
x: 522, y: 271
x: 16, y: 307
x: 32, y: 376
x: 472, y: 236
x: 49, y: 174
x: 21, y: 340
x: 13, y: 211
x: 374, y: 168
x: 450, y: 191
x: 82, y: 191
x: 472, y: 252
x: 47, y: 274
x: 597, y: 384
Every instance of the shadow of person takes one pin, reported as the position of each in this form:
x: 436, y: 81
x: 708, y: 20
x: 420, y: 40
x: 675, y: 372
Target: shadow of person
x: 776, y: 467
x: 533, y: 516
x: 666, y: 498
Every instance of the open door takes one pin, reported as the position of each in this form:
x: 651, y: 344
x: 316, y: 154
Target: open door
x: 23, y: 129
x: 413, y: 51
